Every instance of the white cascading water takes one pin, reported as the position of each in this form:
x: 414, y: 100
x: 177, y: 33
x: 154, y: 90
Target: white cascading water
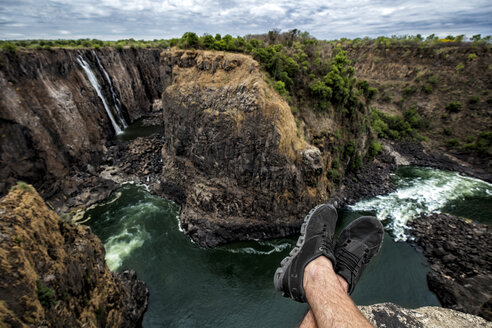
x: 428, y: 193
x: 116, y: 100
x: 95, y: 84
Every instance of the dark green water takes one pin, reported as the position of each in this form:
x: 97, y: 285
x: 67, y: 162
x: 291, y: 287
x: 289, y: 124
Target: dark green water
x: 136, y: 129
x: 231, y: 286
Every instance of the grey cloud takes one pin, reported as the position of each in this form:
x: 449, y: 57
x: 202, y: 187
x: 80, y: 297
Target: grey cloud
x: 149, y: 19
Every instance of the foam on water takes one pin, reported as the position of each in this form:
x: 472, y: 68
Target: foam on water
x: 120, y: 246
x: 429, y: 192
x: 264, y: 248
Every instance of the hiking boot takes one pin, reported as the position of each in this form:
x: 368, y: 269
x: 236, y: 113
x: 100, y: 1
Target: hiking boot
x: 316, y: 240
x: 358, y: 243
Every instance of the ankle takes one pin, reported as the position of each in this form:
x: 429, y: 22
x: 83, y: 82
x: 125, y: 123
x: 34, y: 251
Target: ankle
x: 317, y: 269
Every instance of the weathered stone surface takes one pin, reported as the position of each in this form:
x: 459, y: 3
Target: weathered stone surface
x: 40, y: 254
x: 388, y: 315
x: 232, y: 157
x: 414, y: 153
x: 53, y: 123
x: 460, y: 254
x: 372, y: 179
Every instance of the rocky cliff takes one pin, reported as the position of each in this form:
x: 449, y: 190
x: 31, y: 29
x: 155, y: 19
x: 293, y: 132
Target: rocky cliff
x: 430, y: 79
x: 52, y: 121
x: 54, y: 273
x: 232, y: 156
x: 460, y: 255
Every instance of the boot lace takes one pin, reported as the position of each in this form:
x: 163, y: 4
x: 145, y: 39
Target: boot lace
x: 350, y: 260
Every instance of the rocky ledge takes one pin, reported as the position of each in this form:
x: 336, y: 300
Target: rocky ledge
x: 54, y: 273
x: 388, y: 315
x: 232, y: 156
x: 460, y: 255
x: 415, y: 153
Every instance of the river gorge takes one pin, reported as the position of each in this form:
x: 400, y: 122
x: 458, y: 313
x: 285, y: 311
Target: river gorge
x: 194, y: 172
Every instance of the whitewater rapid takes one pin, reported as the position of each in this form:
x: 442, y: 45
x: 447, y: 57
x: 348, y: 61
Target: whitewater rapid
x: 426, y: 191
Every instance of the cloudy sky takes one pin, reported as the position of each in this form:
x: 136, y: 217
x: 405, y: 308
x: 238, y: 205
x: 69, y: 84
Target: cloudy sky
x: 157, y: 19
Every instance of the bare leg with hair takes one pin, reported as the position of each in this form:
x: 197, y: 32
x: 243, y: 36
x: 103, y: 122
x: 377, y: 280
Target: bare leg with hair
x: 326, y: 293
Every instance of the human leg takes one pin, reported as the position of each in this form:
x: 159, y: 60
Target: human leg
x: 309, y: 320
x: 308, y: 273
x: 331, y: 306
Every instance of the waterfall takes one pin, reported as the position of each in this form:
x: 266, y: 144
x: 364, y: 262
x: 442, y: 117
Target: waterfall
x: 116, y: 99
x: 95, y: 84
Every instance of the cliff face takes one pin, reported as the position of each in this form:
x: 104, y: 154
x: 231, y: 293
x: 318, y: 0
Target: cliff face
x: 232, y: 155
x: 428, y: 79
x: 52, y: 121
x: 54, y: 273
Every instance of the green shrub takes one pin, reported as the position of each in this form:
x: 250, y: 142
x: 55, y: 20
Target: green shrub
x: 349, y: 149
x: 453, y: 142
x: 280, y: 87
x: 333, y: 175
x: 9, y: 46
x: 427, y: 88
x: 320, y: 90
x: 459, y: 67
x: 413, y: 118
x: 472, y: 57
x: 433, y: 79
x: 23, y: 186
x: 484, y: 141
x: 355, y: 162
x: 335, y: 163
x: 395, y: 127
x: 189, y: 40
x: 447, y: 131
x: 409, y: 90
x: 454, y: 106
x: 375, y: 148
x: 46, y: 295
x: 474, y: 99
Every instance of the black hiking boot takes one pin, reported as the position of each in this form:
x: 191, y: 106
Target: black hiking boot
x: 358, y: 243
x: 316, y: 240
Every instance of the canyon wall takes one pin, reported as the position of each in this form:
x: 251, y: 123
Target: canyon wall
x: 232, y: 156
x: 428, y: 79
x: 52, y: 121
x: 54, y: 273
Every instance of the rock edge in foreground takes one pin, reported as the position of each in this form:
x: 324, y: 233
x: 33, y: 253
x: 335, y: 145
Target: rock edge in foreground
x: 54, y: 273
x: 387, y: 315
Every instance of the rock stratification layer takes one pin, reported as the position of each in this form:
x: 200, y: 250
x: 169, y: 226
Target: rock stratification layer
x: 53, y: 122
x: 232, y: 156
x: 54, y: 273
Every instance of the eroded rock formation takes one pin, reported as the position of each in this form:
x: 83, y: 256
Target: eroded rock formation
x: 52, y: 121
x: 54, y: 273
x: 460, y: 254
x: 232, y: 155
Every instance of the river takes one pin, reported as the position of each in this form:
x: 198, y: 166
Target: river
x: 231, y: 286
